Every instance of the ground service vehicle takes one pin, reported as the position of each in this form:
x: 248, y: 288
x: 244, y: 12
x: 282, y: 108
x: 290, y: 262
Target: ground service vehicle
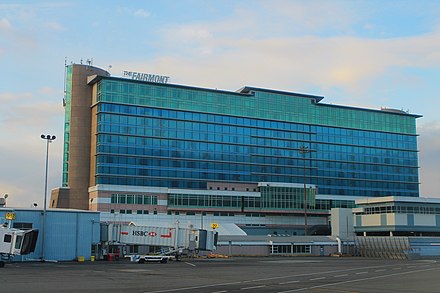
x: 151, y: 258
x: 16, y: 242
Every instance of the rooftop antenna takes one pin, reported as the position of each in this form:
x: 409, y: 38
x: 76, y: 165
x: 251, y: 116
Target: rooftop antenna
x: 89, y: 62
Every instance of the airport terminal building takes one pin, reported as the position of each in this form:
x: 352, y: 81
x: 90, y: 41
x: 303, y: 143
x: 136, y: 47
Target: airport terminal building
x: 139, y: 148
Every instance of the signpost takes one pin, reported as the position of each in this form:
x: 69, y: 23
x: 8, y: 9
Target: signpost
x: 10, y: 216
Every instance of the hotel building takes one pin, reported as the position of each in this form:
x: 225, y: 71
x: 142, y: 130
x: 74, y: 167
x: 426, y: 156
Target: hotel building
x: 139, y: 148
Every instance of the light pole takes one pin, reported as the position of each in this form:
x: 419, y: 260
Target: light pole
x: 49, y: 139
x: 305, y: 150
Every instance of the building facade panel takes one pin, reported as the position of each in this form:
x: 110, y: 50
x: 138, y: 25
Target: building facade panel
x: 424, y: 220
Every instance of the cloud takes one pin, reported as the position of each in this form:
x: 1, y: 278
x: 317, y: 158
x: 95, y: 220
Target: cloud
x: 284, y: 43
x: 23, y: 171
x: 54, y: 26
x: 10, y: 97
x: 22, y: 31
x: 429, y: 145
x: 312, y: 16
x: 24, y: 116
x: 35, y: 5
x: 141, y: 13
x: 14, y: 40
x: 5, y: 24
x: 350, y: 63
x: 50, y: 91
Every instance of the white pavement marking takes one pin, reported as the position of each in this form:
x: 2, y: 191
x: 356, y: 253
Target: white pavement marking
x: 427, y: 260
x: 253, y: 287
x: 291, y: 261
x: 317, y: 273
x: 290, y: 282
x: 266, y: 279
x: 133, y: 270
x: 190, y: 264
x: 338, y: 276
x: 320, y: 278
x: 380, y: 270
x: 361, y: 273
x: 224, y: 291
x: 194, y: 287
x: 358, y: 280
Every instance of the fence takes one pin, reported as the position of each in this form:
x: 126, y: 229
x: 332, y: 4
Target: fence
x: 384, y: 247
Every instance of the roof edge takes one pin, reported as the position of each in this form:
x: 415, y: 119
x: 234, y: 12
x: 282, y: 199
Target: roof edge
x: 250, y: 89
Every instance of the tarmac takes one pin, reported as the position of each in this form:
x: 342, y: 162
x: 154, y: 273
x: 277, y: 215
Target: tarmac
x: 235, y: 274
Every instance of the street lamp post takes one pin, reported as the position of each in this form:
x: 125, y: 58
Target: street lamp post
x: 49, y: 139
x: 305, y: 150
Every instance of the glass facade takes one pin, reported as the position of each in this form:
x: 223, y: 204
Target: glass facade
x: 213, y: 202
x: 67, y: 112
x: 272, y: 198
x: 401, y: 208
x: 133, y: 199
x: 287, y: 198
x: 290, y: 249
x: 180, y: 137
x: 254, y: 103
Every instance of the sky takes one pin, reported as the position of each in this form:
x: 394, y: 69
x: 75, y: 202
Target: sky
x: 357, y: 53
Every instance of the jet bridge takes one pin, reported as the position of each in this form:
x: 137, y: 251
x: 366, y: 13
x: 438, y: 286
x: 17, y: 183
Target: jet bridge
x: 16, y: 242
x: 172, y: 238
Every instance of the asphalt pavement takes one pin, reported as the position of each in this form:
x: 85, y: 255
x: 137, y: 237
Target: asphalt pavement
x: 258, y: 274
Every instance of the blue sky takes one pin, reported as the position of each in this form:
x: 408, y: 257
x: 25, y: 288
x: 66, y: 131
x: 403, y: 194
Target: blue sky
x: 359, y: 53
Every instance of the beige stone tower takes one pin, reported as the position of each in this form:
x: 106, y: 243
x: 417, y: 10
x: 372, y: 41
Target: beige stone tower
x: 77, y: 136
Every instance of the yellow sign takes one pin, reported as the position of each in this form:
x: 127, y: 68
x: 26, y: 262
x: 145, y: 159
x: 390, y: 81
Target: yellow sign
x: 10, y: 216
x: 214, y: 225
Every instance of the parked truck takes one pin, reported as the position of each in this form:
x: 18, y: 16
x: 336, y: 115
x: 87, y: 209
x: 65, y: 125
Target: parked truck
x: 16, y: 242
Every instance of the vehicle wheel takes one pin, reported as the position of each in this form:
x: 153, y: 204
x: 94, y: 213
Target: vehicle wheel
x: 2, y: 263
x: 142, y: 260
x: 164, y: 260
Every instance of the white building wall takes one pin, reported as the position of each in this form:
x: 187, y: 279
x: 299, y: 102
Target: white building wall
x: 401, y: 219
x: 371, y: 220
x: 391, y: 219
x: 424, y: 220
x: 342, y: 222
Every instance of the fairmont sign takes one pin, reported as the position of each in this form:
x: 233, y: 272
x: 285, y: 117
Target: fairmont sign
x: 146, y: 76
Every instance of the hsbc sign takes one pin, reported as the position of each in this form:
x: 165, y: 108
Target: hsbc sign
x: 144, y: 233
